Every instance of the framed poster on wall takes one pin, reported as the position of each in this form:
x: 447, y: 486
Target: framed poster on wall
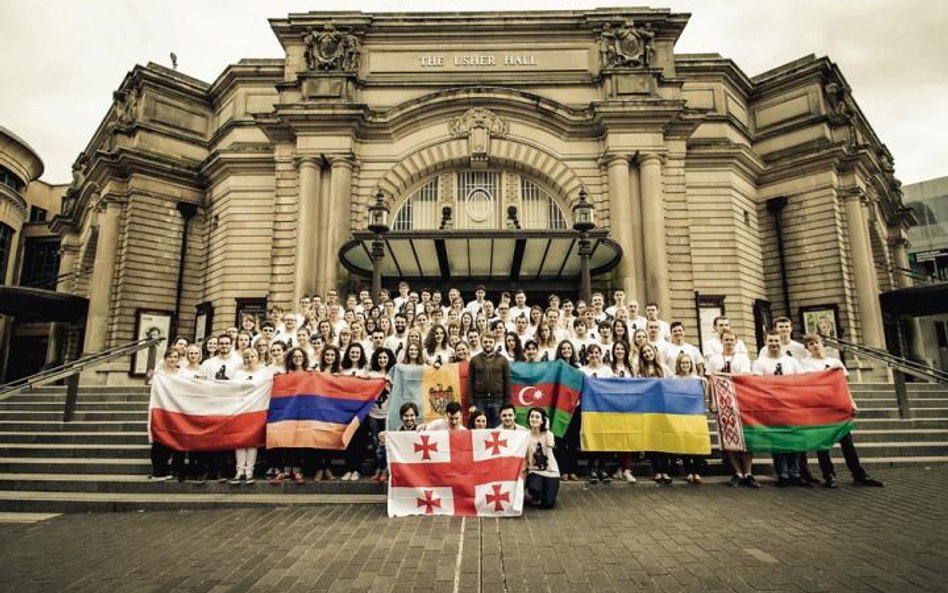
x: 150, y: 323
x: 252, y: 306
x: 822, y: 320
x: 203, y: 322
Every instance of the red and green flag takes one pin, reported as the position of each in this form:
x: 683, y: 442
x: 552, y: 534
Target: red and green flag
x: 552, y: 385
x: 783, y: 414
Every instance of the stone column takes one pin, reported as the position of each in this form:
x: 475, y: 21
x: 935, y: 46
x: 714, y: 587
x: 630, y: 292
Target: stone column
x: 307, y: 228
x: 635, y: 206
x: 867, y: 291
x: 913, y: 330
x: 339, y: 216
x: 100, y: 286
x: 653, y: 229
x: 56, y: 343
x: 621, y: 221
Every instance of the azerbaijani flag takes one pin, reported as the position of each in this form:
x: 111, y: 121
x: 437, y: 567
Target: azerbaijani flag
x: 782, y: 414
x: 318, y: 410
x: 429, y: 388
x: 552, y: 385
x: 188, y: 414
x: 626, y: 414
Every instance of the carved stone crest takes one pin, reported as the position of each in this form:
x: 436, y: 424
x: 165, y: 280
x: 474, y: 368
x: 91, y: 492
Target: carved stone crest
x: 479, y: 124
x: 331, y: 49
x: 626, y: 46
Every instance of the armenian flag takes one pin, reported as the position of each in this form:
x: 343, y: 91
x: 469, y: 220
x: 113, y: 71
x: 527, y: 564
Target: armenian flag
x: 783, y: 414
x: 552, y: 385
x: 625, y: 414
x: 318, y: 410
x: 429, y: 388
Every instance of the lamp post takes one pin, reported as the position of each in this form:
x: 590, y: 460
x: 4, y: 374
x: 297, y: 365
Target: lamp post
x: 584, y: 220
x: 378, y: 224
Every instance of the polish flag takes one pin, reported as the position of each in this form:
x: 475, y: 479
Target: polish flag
x: 456, y: 472
x: 189, y: 414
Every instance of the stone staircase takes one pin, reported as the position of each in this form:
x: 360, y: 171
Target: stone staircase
x: 100, y: 461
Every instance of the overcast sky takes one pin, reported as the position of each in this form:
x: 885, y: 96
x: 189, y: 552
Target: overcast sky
x: 61, y: 59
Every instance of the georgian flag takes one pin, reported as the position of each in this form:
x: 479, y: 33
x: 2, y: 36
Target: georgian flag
x: 456, y: 472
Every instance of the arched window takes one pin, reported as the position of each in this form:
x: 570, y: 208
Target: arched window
x: 478, y: 200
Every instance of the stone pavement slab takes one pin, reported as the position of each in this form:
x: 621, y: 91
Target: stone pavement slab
x: 600, y: 538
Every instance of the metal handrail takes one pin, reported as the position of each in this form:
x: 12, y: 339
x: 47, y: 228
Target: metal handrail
x: 909, y: 367
x: 70, y: 371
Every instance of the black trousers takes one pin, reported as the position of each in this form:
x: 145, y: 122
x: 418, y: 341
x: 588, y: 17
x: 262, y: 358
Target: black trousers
x: 567, y: 447
x: 160, y: 457
x: 356, y: 451
x: 849, y: 454
x: 543, y: 490
x: 661, y: 462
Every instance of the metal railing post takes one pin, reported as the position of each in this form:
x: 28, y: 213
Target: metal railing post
x: 72, y: 395
x: 901, y: 394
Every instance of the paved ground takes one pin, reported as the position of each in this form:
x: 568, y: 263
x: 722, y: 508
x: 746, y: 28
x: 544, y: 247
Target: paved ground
x: 605, y: 538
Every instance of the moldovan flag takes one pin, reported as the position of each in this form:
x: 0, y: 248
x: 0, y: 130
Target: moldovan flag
x: 318, y: 410
x: 456, y: 472
x: 552, y: 385
x: 783, y: 414
x: 625, y: 414
x: 429, y: 388
x: 188, y: 414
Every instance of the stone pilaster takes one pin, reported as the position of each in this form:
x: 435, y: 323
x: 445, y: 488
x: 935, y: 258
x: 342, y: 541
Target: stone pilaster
x: 100, y: 286
x: 867, y: 291
x: 653, y: 225
x: 308, y: 222
x: 339, y: 216
x: 620, y: 202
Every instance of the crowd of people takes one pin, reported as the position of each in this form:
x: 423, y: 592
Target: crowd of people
x: 364, y: 337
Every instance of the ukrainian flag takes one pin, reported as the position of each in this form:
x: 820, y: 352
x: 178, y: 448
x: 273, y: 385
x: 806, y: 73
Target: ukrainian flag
x: 666, y: 415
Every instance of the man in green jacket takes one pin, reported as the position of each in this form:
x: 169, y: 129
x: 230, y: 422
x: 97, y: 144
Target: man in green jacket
x: 489, y: 376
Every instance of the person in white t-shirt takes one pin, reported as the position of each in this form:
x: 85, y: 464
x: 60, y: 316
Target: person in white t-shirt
x: 819, y: 361
x: 477, y: 305
x: 520, y: 306
x: 223, y: 365
x: 677, y: 346
x: 654, y: 331
x: 594, y: 367
x: 775, y: 362
x: 784, y: 328
x: 633, y: 319
x: 651, y: 314
x: 255, y: 372
x: 508, y: 418
x: 543, y: 473
x: 618, y: 302
x: 451, y: 421
x: 729, y: 361
x: 713, y: 344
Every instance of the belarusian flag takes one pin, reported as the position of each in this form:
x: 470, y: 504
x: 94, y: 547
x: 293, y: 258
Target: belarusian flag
x: 783, y: 414
x: 552, y: 385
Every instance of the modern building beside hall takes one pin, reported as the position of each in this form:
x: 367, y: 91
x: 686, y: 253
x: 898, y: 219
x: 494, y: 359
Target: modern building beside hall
x: 928, y: 257
x: 714, y: 191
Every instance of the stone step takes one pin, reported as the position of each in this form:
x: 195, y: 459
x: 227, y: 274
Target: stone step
x: 60, y: 389
x: 101, y: 438
x: 81, y: 406
x: 85, y: 502
x: 893, y: 412
x: 75, y: 465
x: 910, y: 387
x: 75, y: 426
x: 135, y: 483
x: 136, y: 416
x: 75, y: 450
x: 83, y: 397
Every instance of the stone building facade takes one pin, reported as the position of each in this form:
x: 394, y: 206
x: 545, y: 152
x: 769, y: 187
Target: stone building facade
x: 692, y: 167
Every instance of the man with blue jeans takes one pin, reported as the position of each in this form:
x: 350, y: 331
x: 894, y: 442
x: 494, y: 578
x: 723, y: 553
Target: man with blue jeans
x: 489, y: 378
x: 773, y: 361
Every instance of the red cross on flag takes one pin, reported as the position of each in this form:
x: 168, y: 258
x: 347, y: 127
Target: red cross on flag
x: 456, y: 472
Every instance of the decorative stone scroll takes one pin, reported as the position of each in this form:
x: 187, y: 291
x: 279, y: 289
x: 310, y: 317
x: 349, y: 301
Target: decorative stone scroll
x: 332, y: 50
x: 626, y: 46
x: 479, y: 124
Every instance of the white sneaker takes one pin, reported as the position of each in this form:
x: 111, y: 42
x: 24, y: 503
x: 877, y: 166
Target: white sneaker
x: 354, y: 476
x: 627, y: 474
x: 346, y: 476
